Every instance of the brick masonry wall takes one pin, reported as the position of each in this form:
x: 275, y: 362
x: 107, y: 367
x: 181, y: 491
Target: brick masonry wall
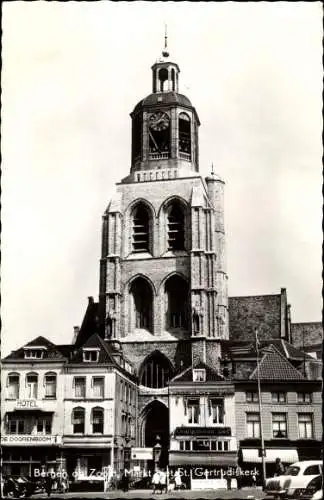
x: 246, y: 314
x: 313, y: 333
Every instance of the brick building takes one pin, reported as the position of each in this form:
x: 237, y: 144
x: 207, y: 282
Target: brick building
x: 163, y: 318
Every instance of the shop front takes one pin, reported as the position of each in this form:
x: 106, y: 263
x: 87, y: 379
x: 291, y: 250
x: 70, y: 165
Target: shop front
x: 250, y: 457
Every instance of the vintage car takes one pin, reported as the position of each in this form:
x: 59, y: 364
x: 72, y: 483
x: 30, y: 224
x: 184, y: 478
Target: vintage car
x: 313, y: 491
x: 295, y: 479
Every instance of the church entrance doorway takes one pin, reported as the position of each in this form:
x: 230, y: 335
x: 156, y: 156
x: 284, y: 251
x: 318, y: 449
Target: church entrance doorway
x: 156, y: 429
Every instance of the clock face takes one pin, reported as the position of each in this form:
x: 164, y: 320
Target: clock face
x: 159, y: 121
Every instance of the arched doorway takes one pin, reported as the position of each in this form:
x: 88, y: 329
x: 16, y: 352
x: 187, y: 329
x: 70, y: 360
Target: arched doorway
x: 155, y: 428
x: 156, y: 424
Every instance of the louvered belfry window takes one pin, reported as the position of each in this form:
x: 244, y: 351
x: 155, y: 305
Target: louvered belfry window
x: 175, y: 228
x: 140, y: 229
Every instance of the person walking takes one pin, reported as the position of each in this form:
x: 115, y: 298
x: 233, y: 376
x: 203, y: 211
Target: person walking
x: 156, y: 480
x: 177, y: 480
x: 48, y: 485
x: 162, y: 481
x: 279, y: 470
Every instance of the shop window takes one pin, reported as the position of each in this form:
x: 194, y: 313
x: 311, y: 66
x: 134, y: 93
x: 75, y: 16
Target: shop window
x: 278, y: 397
x: 141, y: 224
x: 304, y: 397
x: 155, y: 371
x: 91, y: 355
x: 44, y: 425
x: 217, y: 411
x: 78, y: 420
x: 199, y: 375
x: 98, y: 387
x: 176, y: 303
x: 13, y: 386
x: 193, y: 411
x: 305, y: 425
x: 79, y: 384
x: 185, y: 445
x: 279, y: 425
x: 97, y: 418
x: 252, y: 397
x: 50, y: 385
x: 253, y: 425
x: 32, y: 385
x: 176, y: 227
x: 201, y: 445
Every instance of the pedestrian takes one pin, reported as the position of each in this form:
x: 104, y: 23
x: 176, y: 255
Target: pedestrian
x: 253, y: 481
x: 279, y: 469
x: 177, y: 480
x: 125, y: 480
x: 156, y: 480
x: 48, y: 485
x: 163, y: 481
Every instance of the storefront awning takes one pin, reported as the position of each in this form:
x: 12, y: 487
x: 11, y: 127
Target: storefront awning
x: 198, y: 459
x: 288, y: 455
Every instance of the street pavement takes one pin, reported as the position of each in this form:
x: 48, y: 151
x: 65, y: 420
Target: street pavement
x: 245, y: 493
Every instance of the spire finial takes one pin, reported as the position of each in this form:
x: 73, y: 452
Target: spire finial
x: 212, y: 169
x: 165, y: 52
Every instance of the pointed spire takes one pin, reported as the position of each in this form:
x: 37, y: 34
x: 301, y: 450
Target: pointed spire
x: 212, y: 169
x: 165, y: 52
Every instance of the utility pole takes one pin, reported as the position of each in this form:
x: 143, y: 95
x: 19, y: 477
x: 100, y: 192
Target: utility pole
x: 260, y: 411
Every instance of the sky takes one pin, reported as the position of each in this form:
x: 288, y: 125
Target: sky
x: 71, y: 74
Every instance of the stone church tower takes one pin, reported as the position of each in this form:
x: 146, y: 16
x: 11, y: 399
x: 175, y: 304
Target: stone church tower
x: 163, y: 283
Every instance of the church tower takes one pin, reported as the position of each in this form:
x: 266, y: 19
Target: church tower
x: 163, y: 283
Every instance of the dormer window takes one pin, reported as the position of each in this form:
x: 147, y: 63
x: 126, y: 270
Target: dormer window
x: 199, y: 375
x: 90, y: 355
x: 34, y: 353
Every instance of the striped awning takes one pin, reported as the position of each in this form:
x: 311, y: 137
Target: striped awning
x: 287, y: 455
x: 199, y: 458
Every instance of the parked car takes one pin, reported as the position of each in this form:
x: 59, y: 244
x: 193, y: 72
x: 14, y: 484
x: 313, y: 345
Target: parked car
x: 313, y: 491
x: 296, y: 478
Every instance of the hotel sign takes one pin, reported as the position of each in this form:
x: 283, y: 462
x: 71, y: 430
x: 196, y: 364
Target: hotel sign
x: 27, y: 439
x: 27, y: 404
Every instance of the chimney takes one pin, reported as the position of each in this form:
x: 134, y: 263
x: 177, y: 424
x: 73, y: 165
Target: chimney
x: 76, y: 330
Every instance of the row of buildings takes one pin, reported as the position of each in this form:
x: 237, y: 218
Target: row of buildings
x: 165, y: 360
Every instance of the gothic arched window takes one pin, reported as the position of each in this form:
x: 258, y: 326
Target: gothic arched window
x: 175, y: 228
x: 142, y: 299
x: 176, y: 303
x: 156, y: 371
x: 184, y: 136
x: 141, y: 223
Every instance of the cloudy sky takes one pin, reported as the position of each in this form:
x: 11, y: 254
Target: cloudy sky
x: 73, y: 71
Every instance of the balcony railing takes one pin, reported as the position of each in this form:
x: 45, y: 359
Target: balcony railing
x: 185, y: 156
x: 159, y: 156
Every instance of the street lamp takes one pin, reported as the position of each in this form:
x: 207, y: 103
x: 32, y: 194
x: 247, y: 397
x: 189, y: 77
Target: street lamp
x: 260, y: 413
x: 157, y: 448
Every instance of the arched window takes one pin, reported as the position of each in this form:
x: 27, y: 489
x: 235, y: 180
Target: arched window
x: 78, y: 419
x: 156, y: 371
x: 141, y: 222
x: 142, y: 302
x: 97, y: 420
x: 176, y: 303
x: 163, y: 77
x: 13, y: 385
x: 32, y: 385
x: 173, y: 79
x: 184, y: 136
x: 175, y: 227
x: 50, y: 385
